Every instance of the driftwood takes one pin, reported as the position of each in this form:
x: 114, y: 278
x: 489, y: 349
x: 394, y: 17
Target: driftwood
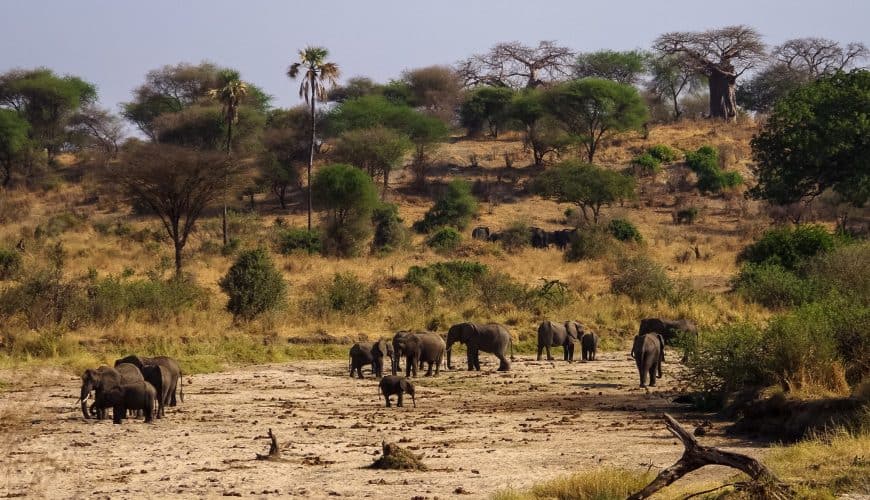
x: 274, y: 451
x: 696, y: 456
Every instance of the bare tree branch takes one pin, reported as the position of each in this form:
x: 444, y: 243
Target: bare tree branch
x: 512, y: 64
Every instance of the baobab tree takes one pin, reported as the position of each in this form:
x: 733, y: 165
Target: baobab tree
x: 318, y: 74
x: 515, y: 65
x: 722, y: 55
x: 819, y: 56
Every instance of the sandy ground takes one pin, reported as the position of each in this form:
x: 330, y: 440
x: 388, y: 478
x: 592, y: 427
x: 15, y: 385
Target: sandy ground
x: 477, y: 432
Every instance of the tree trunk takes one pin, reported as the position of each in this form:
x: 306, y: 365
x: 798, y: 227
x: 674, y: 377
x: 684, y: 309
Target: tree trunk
x: 226, y: 182
x: 178, y: 248
x: 311, y: 150
x: 723, y: 101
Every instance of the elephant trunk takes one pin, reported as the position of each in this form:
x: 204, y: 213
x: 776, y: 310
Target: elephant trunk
x: 84, y: 399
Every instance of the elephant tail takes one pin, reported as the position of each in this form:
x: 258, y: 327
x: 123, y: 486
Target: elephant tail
x: 511, y: 345
x: 181, y: 385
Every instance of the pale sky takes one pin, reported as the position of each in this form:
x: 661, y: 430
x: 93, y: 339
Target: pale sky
x: 113, y: 43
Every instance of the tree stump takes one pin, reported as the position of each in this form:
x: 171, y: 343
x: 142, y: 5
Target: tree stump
x: 696, y: 456
x: 274, y: 451
x: 396, y: 457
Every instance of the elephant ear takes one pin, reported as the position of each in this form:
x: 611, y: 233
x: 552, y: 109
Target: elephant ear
x: 473, y: 328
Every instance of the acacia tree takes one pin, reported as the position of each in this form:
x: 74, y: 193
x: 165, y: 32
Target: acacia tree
x: 13, y: 141
x: 722, y: 55
x: 515, y: 65
x: 318, y: 75
x: 541, y: 134
x: 103, y: 129
x: 592, y: 109
x: 624, y: 67
x: 671, y: 76
x: 376, y: 150
x: 176, y: 183
x: 485, y: 106
x: 229, y: 92
x: 585, y: 185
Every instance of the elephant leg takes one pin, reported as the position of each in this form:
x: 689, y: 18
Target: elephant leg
x: 540, y: 350
x: 469, y: 354
x: 549, y: 356
x: 387, y: 398
x: 399, y: 403
x: 429, y: 371
x: 652, y: 376
x: 476, y: 359
x: 172, y: 401
x: 643, y: 372
x: 503, y: 364
x: 118, y: 412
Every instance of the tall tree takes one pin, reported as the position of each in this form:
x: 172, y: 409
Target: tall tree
x: 376, y: 150
x: 229, y: 92
x: 819, y: 56
x: 101, y: 130
x: 515, y: 65
x: 624, y: 67
x: 722, y: 55
x: 318, y: 73
x: 591, y: 109
x: 485, y: 106
x: 671, y: 76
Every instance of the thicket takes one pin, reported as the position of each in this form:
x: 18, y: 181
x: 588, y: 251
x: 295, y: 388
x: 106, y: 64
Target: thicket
x: 454, y: 208
x: 253, y: 285
x: 711, y: 178
x: 445, y: 239
x: 288, y: 240
x: 345, y: 293
x: 390, y: 233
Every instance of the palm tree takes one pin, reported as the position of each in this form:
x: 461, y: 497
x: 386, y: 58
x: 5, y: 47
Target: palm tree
x: 230, y: 93
x: 318, y: 74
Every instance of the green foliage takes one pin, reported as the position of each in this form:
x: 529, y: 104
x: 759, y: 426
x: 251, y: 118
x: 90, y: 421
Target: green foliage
x: 642, y: 280
x: 345, y: 294
x: 204, y: 127
x: 772, y: 285
x: 663, y: 153
x: 486, y: 107
x: 114, y: 297
x: 789, y: 247
x: 295, y: 239
x: 14, y: 132
x: 376, y: 111
x: 585, y: 185
x: 445, y: 239
x: 455, y: 208
x: 843, y: 271
x: 727, y: 359
x: 761, y: 92
x: 10, y: 263
x: 623, y: 230
x: 711, y: 179
x: 376, y: 150
x: 686, y: 215
x: 814, y: 140
x: 453, y: 278
x: 349, y: 197
x: 541, y: 133
x: 253, y: 285
x: 646, y: 164
x: 589, y: 242
x: 622, y: 67
x: 390, y: 234
x: 592, y: 110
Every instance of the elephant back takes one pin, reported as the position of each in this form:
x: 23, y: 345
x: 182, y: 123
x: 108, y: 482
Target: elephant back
x: 129, y: 373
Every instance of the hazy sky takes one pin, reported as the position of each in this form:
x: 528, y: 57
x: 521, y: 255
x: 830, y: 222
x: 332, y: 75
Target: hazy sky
x: 113, y: 43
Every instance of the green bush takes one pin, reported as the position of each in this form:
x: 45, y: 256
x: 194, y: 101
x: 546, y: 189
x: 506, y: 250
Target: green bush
x: 624, y: 230
x: 345, y: 293
x: 445, y: 239
x: 843, y: 271
x: 711, y: 179
x: 590, y: 242
x: 10, y: 263
x: 294, y: 239
x: 455, y: 208
x: 646, y: 164
x: 348, y: 198
x: 58, y: 224
x: 455, y: 279
x: 114, y: 297
x: 641, y: 279
x: 253, y: 285
x: 390, y: 234
x: 663, y: 153
x: 771, y: 285
x: 727, y: 359
x: 518, y: 235
x: 789, y: 247
x: 686, y: 215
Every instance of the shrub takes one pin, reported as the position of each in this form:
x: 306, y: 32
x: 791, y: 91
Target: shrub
x: 58, y: 224
x: 114, y: 297
x: 596, y: 484
x: 500, y: 289
x: 253, y: 285
x: 590, y: 242
x: 663, y: 153
x: 641, y: 279
x: 455, y: 208
x: 843, y: 270
x: 727, y: 359
x: 772, y: 285
x: 624, y: 230
x: 390, y: 234
x: 705, y: 163
x: 294, y: 239
x: 646, y: 164
x: 10, y: 263
x: 789, y: 247
x: 445, y: 239
x: 348, y: 197
x: 518, y: 235
x: 686, y: 215
x: 453, y: 278
x: 345, y: 293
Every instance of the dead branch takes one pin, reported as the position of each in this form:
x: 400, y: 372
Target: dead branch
x: 696, y: 456
x: 274, y: 451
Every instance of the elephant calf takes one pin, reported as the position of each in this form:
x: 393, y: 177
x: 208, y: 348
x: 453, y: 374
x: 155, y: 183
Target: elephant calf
x: 648, y: 352
x: 395, y: 384
x: 134, y: 396
x: 589, y: 344
x: 370, y: 353
x: 564, y: 335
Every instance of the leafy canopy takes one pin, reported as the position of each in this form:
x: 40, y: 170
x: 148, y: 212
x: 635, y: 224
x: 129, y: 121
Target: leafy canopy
x: 585, y: 185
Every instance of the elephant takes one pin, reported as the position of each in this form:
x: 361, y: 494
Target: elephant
x: 480, y: 233
x: 589, y: 345
x: 552, y: 334
x: 492, y: 338
x: 395, y: 384
x: 418, y: 347
x: 668, y: 329
x: 648, y: 352
x: 103, y: 379
x: 561, y: 237
x: 495, y: 237
x: 127, y: 397
x: 177, y: 380
x: 161, y: 379
x: 370, y: 353
x: 539, y: 238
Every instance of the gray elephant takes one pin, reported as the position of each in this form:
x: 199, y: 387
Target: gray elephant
x: 395, y: 384
x: 552, y: 334
x: 128, y: 397
x: 418, y: 347
x: 589, y: 345
x: 480, y: 233
x: 161, y: 379
x: 648, y: 352
x: 104, y: 379
x: 177, y: 381
x: 668, y: 329
x: 491, y: 337
x: 370, y: 353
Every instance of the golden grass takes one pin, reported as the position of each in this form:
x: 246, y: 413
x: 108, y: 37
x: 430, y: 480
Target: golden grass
x: 597, y: 484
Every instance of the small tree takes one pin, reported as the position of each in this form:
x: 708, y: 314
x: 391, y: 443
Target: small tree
x: 13, y: 141
x: 376, y: 150
x: 348, y: 196
x: 585, y: 185
x: 541, y: 134
x: 485, y: 107
x: 592, y: 109
x: 253, y: 285
x: 621, y: 67
x: 176, y: 183
x: 390, y: 234
x: 455, y: 208
x: 671, y: 76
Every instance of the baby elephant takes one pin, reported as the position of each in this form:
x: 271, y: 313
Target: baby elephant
x: 132, y: 396
x: 589, y: 343
x: 394, y: 384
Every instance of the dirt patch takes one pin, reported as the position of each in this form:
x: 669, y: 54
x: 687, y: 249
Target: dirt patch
x: 476, y: 431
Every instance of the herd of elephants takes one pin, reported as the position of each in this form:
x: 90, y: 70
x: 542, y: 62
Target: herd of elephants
x: 538, y: 238
x: 136, y: 382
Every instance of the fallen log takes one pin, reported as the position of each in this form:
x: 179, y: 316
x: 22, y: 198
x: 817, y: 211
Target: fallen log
x: 274, y: 451
x: 696, y: 456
